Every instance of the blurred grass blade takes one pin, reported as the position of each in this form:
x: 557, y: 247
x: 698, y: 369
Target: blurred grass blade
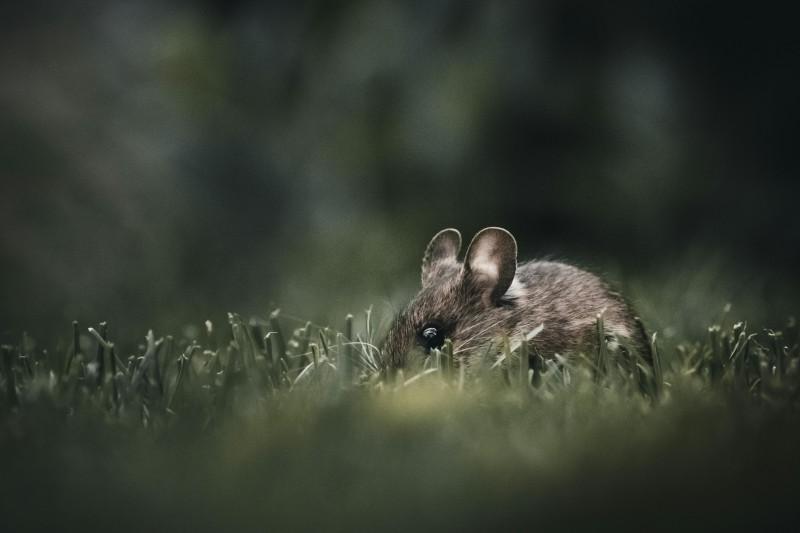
x: 11, y: 381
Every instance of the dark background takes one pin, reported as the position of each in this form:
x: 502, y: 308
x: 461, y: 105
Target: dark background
x: 163, y: 165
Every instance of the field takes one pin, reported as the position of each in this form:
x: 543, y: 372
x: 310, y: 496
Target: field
x: 274, y: 424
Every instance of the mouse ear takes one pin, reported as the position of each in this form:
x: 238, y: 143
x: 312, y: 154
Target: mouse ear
x: 491, y: 263
x: 443, y: 248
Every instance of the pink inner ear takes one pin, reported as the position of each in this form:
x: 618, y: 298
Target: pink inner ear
x: 485, y: 267
x: 484, y: 260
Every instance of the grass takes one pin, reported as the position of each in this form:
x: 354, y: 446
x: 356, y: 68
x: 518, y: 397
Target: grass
x: 279, y: 424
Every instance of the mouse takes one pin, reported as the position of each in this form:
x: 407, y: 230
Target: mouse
x: 490, y: 295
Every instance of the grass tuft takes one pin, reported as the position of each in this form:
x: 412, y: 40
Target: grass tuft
x: 247, y: 427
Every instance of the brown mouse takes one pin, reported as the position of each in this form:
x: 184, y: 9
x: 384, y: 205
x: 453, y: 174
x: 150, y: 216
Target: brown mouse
x: 490, y: 295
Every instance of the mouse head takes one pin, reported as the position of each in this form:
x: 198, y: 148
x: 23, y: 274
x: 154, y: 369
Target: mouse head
x: 466, y: 302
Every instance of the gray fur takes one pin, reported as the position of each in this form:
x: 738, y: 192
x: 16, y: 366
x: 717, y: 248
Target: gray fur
x: 469, y: 309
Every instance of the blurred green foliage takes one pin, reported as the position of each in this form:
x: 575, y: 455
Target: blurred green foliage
x: 165, y: 164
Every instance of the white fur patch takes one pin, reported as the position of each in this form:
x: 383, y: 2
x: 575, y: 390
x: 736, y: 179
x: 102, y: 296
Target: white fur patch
x: 616, y: 329
x: 516, y: 291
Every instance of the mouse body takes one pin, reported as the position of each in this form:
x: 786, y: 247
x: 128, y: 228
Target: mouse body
x: 489, y: 295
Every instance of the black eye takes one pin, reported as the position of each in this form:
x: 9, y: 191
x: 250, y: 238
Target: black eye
x: 431, y: 337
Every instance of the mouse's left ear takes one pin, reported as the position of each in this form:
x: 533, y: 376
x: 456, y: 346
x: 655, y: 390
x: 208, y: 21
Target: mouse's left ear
x: 491, y: 263
x: 443, y: 248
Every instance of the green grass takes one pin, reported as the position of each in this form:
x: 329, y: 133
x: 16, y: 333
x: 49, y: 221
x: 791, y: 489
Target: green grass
x: 278, y: 424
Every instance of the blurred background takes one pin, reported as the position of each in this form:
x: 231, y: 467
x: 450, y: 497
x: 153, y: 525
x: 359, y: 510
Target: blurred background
x: 160, y: 165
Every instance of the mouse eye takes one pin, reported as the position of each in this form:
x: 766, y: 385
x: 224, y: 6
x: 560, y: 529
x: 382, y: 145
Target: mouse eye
x: 431, y: 337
